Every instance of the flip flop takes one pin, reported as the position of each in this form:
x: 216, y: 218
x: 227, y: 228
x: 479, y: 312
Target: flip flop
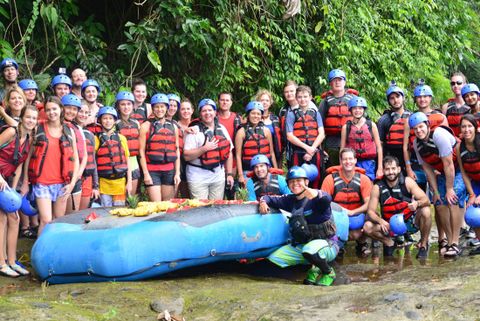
x: 19, y: 269
x: 6, y: 270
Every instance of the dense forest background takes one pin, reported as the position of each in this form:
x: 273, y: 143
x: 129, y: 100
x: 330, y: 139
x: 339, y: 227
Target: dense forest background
x: 198, y: 48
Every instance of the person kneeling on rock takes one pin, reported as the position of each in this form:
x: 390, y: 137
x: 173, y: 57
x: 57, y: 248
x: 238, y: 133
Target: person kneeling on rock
x: 311, y: 226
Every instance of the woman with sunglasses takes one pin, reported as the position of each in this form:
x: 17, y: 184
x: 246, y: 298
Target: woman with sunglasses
x: 455, y: 108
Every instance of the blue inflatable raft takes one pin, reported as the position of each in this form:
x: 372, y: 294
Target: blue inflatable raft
x: 113, y: 248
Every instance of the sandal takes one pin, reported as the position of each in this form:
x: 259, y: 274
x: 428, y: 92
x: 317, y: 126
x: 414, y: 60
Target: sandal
x: 6, y: 270
x: 27, y: 233
x: 19, y: 269
x: 453, y: 251
x: 442, y: 246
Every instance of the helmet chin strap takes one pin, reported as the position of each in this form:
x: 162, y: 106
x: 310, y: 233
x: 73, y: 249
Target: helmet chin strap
x: 298, y: 194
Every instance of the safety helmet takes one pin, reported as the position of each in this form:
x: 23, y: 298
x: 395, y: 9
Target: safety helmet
x: 259, y: 159
x: 26, y: 84
x: 174, y: 97
x: 311, y: 170
x: 296, y: 172
x: 107, y: 110
x: 8, y: 62
x: 124, y: 95
x: 336, y: 73
x: 27, y: 207
x: 417, y: 118
x: 472, y: 216
x: 10, y: 200
x: 393, y: 88
x: 356, y: 221
x: 71, y: 100
x: 160, y: 99
x: 357, y: 102
x: 422, y: 90
x: 254, y: 105
x: 397, y: 224
x: 468, y: 88
x: 206, y: 101
x: 61, y: 79
x: 91, y: 82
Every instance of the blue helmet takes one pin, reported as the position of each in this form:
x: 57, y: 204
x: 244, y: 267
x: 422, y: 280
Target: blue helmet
x: 206, y: 101
x: 175, y: 98
x: 27, y: 207
x: 61, y: 79
x: 124, y: 95
x: 259, y: 159
x: 416, y: 119
x: 468, y: 88
x: 397, y: 224
x: 357, y: 102
x: 10, y: 200
x: 472, y: 216
x: 356, y: 221
x: 107, y: 110
x: 336, y: 73
x: 254, y: 105
x: 296, y: 172
x: 160, y: 99
x: 90, y: 82
x: 71, y: 100
x: 393, y: 88
x: 8, y: 62
x: 311, y: 170
x: 422, y: 90
x: 26, y: 84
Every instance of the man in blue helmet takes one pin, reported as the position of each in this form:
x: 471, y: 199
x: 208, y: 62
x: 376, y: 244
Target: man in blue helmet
x: 9, y: 69
x: 264, y: 180
x: 311, y: 226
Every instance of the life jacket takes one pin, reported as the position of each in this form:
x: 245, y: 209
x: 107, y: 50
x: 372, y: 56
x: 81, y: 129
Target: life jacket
x: 94, y: 128
x: 395, y: 131
x: 277, y: 137
x: 282, y: 116
x: 435, y: 118
x: 305, y: 126
x: 429, y: 151
x: 272, y: 188
x: 131, y: 131
x: 336, y: 111
x: 394, y: 200
x: 361, y: 140
x: 40, y: 146
x: 140, y: 113
x: 161, y: 145
x: 13, y: 154
x: 255, y: 143
x: 91, y: 166
x: 471, y: 162
x: 454, y: 115
x: 216, y: 157
x: 111, y: 160
x: 79, y: 139
x: 347, y: 195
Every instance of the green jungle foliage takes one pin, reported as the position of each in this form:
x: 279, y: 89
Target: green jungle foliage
x: 199, y: 48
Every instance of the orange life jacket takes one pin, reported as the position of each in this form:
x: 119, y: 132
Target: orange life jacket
x: 139, y: 113
x: 94, y: 128
x: 131, y: 131
x: 336, y: 111
x: 91, y: 166
x: 40, y: 146
x: 471, y: 162
x: 218, y: 156
x: 305, y: 126
x: 111, y: 160
x: 435, y: 118
x: 347, y: 195
x: 161, y: 146
x: 361, y: 140
x: 395, y: 132
x: 454, y: 116
x: 13, y: 154
x: 429, y: 151
x: 255, y: 143
x: 394, y: 200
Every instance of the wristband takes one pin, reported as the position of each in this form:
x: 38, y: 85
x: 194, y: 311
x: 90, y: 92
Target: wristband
x: 408, y: 163
x: 229, y: 174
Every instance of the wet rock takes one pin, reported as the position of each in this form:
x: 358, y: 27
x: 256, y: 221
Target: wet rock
x: 392, y: 297
x: 41, y: 305
x: 413, y: 315
x: 172, y: 305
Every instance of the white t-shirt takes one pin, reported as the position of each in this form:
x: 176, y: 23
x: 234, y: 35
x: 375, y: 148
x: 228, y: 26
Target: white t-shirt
x: 443, y: 140
x: 197, y: 174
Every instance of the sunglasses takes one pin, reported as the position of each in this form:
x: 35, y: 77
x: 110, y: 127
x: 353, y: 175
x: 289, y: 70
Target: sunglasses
x: 458, y: 83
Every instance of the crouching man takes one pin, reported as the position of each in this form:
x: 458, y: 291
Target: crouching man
x: 311, y: 226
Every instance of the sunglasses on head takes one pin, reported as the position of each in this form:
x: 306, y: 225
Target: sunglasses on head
x: 458, y: 83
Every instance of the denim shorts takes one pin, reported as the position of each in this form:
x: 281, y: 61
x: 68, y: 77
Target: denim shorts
x: 162, y: 177
x: 136, y: 173
x: 52, y: 192
x: 458, y: 187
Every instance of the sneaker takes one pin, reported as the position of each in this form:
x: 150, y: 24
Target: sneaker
x: 475, y: 251
x: 471, y: 234
x: 473, y: 242
x: 326, y: 279
x: 409, y: 240
x: 19, y: 269
x: 423, y: 252
x: 6, y: 270
x: 362, y: 249
x: 467, y: 233
x: 312, y: 276
x: 388, y: 250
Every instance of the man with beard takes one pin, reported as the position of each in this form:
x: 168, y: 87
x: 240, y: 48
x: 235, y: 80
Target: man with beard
x: 391, y: 124
x: 397, y: 194
x: 265, y: 180
x: 9, y: 69
x: 78, y: 77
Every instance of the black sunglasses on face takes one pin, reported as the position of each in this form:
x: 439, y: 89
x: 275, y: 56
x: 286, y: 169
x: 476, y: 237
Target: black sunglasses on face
x: 458, y: 83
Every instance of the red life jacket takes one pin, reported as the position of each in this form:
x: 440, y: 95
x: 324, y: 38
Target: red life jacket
x: 140, y: 113
x: 91, y: 166
x: 40, y: 146
x: 79, y: 138
x: 394, y: 200
x: 471, y: 162
x: 361, y: 140
x: 277, y: 137
x: 111, y: 160
x: 272, y: 188
x: 131, y: 131
x: 429, y: 151
x: 305, y: 126
x: 218, y: 156
x: 435, y: 118
x: 94, y: 128
x: 454, y: 115
x: 161, y: 145
x: 12, y: 154
x: 395, y: 132
x: 336, y: 112
x: 254, y: 143
x: 347, y: 195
